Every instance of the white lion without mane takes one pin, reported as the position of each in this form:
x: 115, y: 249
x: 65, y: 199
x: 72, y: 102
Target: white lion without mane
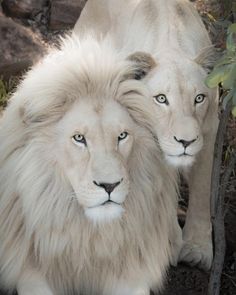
x: 185, y: 109
x: 47, y: 244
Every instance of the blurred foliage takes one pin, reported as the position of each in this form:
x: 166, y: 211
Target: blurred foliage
x: 224, y: 72
x: 3, y: 95
x: 217, y: 15
x: 6, y: 87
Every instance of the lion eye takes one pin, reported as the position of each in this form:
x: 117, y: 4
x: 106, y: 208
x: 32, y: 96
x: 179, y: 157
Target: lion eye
x: 161, y: 98
x: 79, y: 138
x: 122, y: 136
x: 199, y: 98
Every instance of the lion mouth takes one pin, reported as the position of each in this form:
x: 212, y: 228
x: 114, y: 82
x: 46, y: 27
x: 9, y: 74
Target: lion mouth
x: 109, y: 202
x: 106, y: 203
x: 181, y: 155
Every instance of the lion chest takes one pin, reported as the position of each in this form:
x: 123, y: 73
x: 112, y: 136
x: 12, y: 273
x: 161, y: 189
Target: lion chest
x: 78, y: 255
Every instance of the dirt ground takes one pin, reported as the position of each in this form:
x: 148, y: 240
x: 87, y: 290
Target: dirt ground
x: 185, y: 280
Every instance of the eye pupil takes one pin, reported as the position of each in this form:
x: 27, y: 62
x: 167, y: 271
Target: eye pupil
x: 122, y: 135
x: 199, y: 98
x: 161, y: 98
x: 79, y: 138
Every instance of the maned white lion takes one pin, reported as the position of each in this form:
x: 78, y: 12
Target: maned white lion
x: 86, y: 202
x: 186, y: 110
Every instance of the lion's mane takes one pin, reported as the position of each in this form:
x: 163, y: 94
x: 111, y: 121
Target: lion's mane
x: 39, y: 225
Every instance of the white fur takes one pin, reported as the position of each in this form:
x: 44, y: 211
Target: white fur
x: 33, y: 282
x: 48, y: 245
x: 105, y: 213
x: 172, y: 31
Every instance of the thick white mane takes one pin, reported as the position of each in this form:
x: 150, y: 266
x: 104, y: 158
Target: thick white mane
x: 40, y: 225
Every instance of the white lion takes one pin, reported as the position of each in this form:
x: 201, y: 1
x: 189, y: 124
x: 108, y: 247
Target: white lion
x: 86, y: 202
x: 186, y: 110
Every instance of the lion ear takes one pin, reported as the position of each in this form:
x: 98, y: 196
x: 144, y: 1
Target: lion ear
x: 207, y: 58
x: 143, y: 64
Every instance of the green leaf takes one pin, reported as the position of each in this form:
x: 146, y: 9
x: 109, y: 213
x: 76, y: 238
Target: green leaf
x: 225, y: 60
x: 230, y: 82
x: 218, y: 75
x: 231, y: 39
x: 230, y: 42
x: 234, y: 111
x: 232, y: 28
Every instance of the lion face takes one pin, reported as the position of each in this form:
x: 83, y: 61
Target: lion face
x: 94, y: 143
x: 181, y: 101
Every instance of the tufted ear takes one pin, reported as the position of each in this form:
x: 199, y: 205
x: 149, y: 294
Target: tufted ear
x: 207, y: 58
x: 143, y: 64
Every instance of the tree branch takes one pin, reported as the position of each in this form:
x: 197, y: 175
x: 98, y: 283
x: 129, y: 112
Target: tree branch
x: 217, y: 204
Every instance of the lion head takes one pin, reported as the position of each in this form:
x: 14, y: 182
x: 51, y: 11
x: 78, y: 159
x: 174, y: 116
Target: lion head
x: 93, y: 149
x: 91, y: 139
x: 182, y: 104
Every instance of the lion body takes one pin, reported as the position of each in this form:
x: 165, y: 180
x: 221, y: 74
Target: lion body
x: 172, y: 31
x: 47, y: 243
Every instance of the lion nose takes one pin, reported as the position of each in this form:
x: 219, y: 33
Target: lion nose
x: 184, y: 142
x: 108, y: 187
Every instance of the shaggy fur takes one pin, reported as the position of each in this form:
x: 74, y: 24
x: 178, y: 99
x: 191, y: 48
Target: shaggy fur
x: 172, y: 31
x: 47, y: 244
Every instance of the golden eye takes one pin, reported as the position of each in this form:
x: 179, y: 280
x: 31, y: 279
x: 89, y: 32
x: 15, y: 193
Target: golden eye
x: 122, y: 136
x: 199, y: 98
x: 161, y: 98
x: 79, y: 138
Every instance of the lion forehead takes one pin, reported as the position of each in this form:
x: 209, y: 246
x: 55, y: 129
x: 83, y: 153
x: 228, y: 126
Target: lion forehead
x: 87, y: 114
x: 180, y: 84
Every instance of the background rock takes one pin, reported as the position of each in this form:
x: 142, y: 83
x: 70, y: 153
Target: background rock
x: 64, y: 13
x: 23, y: 8
x: 19, y: 47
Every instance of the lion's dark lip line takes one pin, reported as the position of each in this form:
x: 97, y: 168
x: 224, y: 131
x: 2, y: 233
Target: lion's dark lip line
x: 181, y: 155
x: 109, y: 201
x: 104, y: 203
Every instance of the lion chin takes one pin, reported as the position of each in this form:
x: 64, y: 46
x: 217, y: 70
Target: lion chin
x: 104, y: 213
x: 180, y: 161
